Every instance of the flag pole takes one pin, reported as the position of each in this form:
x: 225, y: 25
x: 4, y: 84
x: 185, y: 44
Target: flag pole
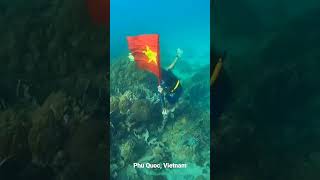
x: 163, y: 105
x: 159, y: 67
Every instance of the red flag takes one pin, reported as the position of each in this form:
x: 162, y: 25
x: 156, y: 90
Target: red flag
x: 99, y: 11
x: 146, y: 52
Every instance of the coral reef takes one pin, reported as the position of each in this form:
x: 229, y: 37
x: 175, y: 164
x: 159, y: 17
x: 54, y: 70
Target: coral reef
x: 53, y: 91
x: 46, y: 133
x: 136, y: 122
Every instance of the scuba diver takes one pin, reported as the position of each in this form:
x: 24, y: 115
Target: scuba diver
x: 170, y: 88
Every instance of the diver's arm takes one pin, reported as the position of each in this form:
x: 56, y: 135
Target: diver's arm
x: 174, y: 62
x: 163, y: 101
x: 162, y: 98
x: 161, y: 94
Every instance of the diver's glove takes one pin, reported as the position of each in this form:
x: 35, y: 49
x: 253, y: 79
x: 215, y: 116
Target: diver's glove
x: 160, y: 89
x: 165, y: 112
x: 179, y: 53
x: 131, y: 57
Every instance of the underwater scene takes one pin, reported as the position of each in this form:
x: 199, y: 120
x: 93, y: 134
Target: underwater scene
x: 53, y: 91
x: 268, y: 127
x: 159, y: 89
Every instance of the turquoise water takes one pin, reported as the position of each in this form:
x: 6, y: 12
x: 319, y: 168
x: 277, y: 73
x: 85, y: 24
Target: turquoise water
x: 140, y: 132
x: 181, y: 24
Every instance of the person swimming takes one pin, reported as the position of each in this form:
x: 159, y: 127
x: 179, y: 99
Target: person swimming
x: 170, y: 88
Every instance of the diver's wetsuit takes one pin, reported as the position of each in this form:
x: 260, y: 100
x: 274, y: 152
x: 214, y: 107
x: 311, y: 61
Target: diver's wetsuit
x: 171, y: 86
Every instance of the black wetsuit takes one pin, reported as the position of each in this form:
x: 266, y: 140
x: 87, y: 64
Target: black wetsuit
x: 171, y: 86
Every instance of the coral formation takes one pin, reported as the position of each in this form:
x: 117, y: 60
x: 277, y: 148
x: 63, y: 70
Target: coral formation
x: 53, y: 91
x: 126, y: 150
x: 136, y: 137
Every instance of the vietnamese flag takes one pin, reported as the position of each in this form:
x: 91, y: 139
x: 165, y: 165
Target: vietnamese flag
x: 146, y: 52
x: 99, y: 11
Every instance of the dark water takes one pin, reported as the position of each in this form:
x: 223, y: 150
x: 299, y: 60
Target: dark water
x: 53, y: 87
x: 270, y: 130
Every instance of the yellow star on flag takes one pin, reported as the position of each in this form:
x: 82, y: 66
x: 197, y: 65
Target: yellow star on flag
x: 152, y: 56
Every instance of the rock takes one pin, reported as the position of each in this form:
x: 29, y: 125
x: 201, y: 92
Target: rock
x: 140, y: 111
x: 125, y: 102
x: 126, y: 150
x: 114, y: 104
x: 46, y: 134
x: 13, y: 134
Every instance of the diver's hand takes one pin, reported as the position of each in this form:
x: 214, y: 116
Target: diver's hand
x: 131, y: 57
x: 160, y: 89
x: 179, y: 53
x: 165, y: 112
